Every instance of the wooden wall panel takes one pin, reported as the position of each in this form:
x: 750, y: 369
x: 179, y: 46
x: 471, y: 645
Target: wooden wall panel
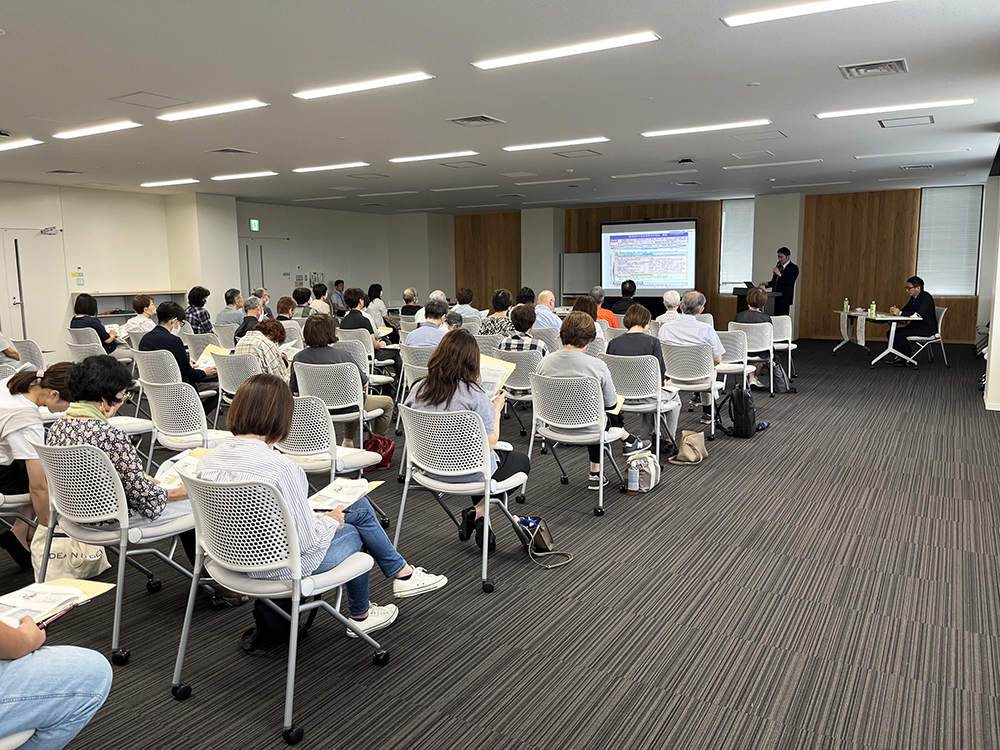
x: 488, y: 254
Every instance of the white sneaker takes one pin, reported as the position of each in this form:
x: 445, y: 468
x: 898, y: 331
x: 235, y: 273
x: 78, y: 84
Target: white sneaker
x: 420, y: 582
x: 378, y: 618
x: 755, y: 382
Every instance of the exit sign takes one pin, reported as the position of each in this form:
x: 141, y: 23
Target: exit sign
x: 254, y: 225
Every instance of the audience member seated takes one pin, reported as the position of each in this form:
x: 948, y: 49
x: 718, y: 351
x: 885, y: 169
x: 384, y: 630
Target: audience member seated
x: 143, y: 320
x: 688, y: 330
x: 260, y: 416
x: 452, y: 321
x: 337, y: 298
x: 169, y: 316
x: 671, y: 300
x: 545, y: 316
x: 319, y: 303
x: 264, y: 295
x: 301, y: 295
x: 464, y: 306
x: 522, y: 317
x: 410, y: 300
x: 921, y: 303
x: 628, y: 292
x: 526, y: 296
x: 498, y: 324
x: 320, y: 331
x: 429, y: 332
x: 588, y: 305
x: 253, y: 310
x: 756, y: 299
x: 602, y: 313
x: 285, y: 308
x: 197, y: 315
x: 263, y: 342
x: 377, y: 308
x: 8, y: 354
x: 232, y: 313
x: 355, y: 320
x: 21, y: 473
x: 54, y: 690
x: 452, y: 384
x: 572, y: 361
x: 85, y: 309
x: 437, y: 294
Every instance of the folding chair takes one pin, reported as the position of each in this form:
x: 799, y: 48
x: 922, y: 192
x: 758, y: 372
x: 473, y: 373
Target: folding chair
x: 926, y: 341
x: 691, y: 368
x: 637, y: 380
x: 179, y: 420
x: 760, y: 338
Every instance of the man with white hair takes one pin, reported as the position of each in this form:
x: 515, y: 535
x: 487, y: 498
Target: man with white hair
x: 603, y: 313
x: 420, y: 317
x: 687, y: 330
x: 545, y: 316
x: 671, y: 300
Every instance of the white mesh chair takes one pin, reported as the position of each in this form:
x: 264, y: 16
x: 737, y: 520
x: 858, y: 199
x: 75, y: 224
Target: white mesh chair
x: 88, y: 336
x: 637, y: 380
x: 30, y: 352
x: 179, y: 420
x: 233, y: 370
x: 734, y: 359
x: 411, y: 356
x: 407, y: 318
x: 85, y: 489
x: 621, y: 320
x: 706, y: 318
x: 6, y: 371
x: 407, y: 324
x: 782, y: 326
x: 359, y: 354
x: 691, y: 368
x: 293, y: 332
x: 10, y: 508
x: 760, y: 338
x: 597, y: 348
x: 227, y: 334
x: 518, y: 386
x: 654, y: 328
x: 134, y: 339
x: 453, y: 444
x: 603, y: 324
x: 924, y: 341
x: 550, y: 336
x: 614, y: 333
x: 571, y: 411
x: 79, y: 352
x: 472, y: 324
x: 488, y: 344
x: 245, y: 528
x: 196, y: 343
x: 339, y: 387
x: 186, y: 328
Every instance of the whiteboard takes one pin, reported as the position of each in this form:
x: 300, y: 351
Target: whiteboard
x: 580, y: 272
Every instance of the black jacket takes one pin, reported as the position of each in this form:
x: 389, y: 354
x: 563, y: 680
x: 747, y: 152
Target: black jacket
x: 785, y: 283
x: 160, y: 338
x: 922, y: 305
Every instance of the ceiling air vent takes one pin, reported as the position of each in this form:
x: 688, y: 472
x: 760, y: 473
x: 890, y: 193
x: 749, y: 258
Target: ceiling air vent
x: 512, y: 195
x: 229, y: 151
x: 63, y: 171
x: 873, y: 69
x: 910, y: 167
x: 907, y: 122
x: 373, y: 205
x: 477, y: 121
x: 686, y: 184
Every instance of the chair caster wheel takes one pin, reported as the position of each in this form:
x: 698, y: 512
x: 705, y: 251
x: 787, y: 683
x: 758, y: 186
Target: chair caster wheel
x: 217, y: 604
x: 384, y: 522
x: 524, y: 433
x: 398, y: 433
x: 400, y: 479
x: 181, y: 692
x: 772, y: 395
x: 506, y: 416
x: 120, y: 656
x: 564, y: 480
x: 293, y: 735
x: 380, y: 658
x: 520, y: 499
x: 598, y: 512
x: 710, y: 437
x: 543, y: 450
x: 488, y: 586
x: 153, y: 585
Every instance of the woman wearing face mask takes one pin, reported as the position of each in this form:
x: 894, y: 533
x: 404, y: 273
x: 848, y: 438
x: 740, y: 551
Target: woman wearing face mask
x: 170, y: 315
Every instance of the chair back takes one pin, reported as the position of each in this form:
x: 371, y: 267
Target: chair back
x: 614, y: 333
x: 84, y: 486
x: 550, y: 336
x: 706, y: 318
x: 337, y: 385
x: 525, y: 363
x: 362, y: 336
x: 196, y: 342
x: 488, y: 344
x: 157, y: 366
x: 293, y: 332
x: 597, y: 347
x: 735, y: 344
x: 312, y: 430
x: 603, y: 324
x: 760, y: 336
x: 357, y: 351
x: 688, y: 362
x: 176, y: 409
x: 415, y: 355
x: 654, y: 328
x: 446, y: 443
x: 567, y: 403
x: 634, y: 377
x: 621, y: 319
x: 782, y: 327
x: 472, y: 323
x: 6, y: 371
x: 30, y: 352
x: 134, y: 339
x: 233, y: 369
x: 938, y: 313
x: 84, y: 336
x: 407, y: 326
x: 80, y: 352
x: 407, y: 318
x: 226, y: 333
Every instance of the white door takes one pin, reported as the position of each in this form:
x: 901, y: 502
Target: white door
x: 262, y: 263
x: 36, y: 302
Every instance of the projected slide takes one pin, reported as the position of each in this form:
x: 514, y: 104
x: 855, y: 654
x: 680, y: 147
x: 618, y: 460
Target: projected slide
x: 657, y: 256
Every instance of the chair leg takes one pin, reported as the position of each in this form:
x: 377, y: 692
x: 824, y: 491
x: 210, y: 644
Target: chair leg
x: 564, y: 479
x: 292, y: 734
x: 218, y: 408
x: 944, y: 355
x: 487, y: 583
x: 599, y: 510
x: 152, y: 447
x: 119, y: 656
x: 180, y: 690
x: 402, y: 506
x: 48, y: 544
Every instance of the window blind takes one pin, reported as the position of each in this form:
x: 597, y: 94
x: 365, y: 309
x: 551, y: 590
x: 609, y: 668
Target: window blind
x: 736, y: 265
x: 948, y: 240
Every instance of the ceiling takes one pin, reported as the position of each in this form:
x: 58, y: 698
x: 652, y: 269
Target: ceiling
x: 65, y: 64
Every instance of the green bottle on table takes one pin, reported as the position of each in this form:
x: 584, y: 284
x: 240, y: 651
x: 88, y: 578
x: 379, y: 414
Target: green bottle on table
x: 871, y: 310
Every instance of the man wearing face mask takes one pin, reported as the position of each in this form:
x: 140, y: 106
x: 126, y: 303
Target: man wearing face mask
x: 170, y: 315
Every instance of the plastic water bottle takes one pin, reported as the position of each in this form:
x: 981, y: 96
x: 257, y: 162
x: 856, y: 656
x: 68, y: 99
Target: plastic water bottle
x: 871, y: 310
x: 633, y: 479
x: 763, y: 425
x: 847, y: 305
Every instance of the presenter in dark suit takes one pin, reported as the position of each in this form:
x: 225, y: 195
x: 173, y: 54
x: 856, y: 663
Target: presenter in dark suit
x: 921, y: 303
x: 783, y: 280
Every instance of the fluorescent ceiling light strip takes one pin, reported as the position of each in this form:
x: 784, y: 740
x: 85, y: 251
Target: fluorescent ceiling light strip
x: 562, y: 200
x: 244, y: 176
x: 324, y: 198
x: 706, y: 128
x: 379, y: 195
x: 98, y: 129
x: 774, y: 164
x: 573, y: 49
x: 808, y: 184
x: 429, y: 157
x: 793, y: 11
x: 349, y: 88
x: 553, y: 182
x: 895, y: 108
x: 913, y: 177
x: 652, y: 174
x: 456, y: 189
x: 405, y: 210
x: 911, y: 153
x: 349, y: 165
x: 556, y: 144
x: 219, y: 109
x: 485, y: 205
x: 20, y: 143
x: 168, y: 183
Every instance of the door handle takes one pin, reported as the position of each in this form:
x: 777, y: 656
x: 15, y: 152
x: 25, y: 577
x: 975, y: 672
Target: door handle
x: 15, y: 302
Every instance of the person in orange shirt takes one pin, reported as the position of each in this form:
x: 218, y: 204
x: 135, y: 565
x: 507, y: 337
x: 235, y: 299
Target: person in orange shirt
x: 598, y: 294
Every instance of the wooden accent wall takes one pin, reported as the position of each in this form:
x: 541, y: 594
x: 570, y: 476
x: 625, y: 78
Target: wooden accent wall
x: 863, y: 246
x: 488, y: 254
x: 583, y: 235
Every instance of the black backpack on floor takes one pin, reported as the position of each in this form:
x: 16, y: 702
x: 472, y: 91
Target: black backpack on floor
x: 742, y: 413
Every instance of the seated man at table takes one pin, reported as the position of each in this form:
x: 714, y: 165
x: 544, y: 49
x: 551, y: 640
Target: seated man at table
x: 920, y: 303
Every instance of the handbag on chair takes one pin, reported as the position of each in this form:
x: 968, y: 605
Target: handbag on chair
x: 692, y: 449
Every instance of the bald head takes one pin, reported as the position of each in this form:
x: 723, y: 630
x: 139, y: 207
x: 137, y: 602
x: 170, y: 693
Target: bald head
x: 438, y: 294
x: 547, y: 298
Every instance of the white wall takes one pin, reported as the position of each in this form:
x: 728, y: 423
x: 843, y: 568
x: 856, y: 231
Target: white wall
x: 183, y: 252
x: 542, y: 243
x: 778, y: 221
x: 218, y: 244
x: 989, y: 249
x: 441, y: 255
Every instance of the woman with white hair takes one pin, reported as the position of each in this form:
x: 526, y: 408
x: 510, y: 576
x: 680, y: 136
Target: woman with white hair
x: 671, y: 301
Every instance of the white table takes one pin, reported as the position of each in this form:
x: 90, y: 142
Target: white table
x: 860, y: 317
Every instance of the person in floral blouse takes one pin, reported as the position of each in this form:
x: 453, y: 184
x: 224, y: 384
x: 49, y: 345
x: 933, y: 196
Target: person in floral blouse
x: 498, y: 324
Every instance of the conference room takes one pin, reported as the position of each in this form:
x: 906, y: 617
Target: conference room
x: 828, y: 580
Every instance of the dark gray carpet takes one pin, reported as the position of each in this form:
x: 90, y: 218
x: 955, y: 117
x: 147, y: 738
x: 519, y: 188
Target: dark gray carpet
x: 831, y: 583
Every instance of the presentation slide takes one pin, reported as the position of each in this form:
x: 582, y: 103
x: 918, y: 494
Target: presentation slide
x: 656, y: 255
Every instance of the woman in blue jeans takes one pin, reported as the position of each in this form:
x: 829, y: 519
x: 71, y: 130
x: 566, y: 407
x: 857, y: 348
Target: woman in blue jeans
x: 259, y: 417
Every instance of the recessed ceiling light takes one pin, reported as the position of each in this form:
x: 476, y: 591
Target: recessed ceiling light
x: 379, y: 195
x: 706, y: 128
x: 244, y: 176
x: 911, y: 153
x: 793, y: 11
x: 573, y: 49
x: 21, y: 143
x: 349, y: 165
x: 556, y: 144
x: 348, y: 88
x: 324, y: 198
x: 168, y: 183
x: 554, y: 182
x: 774, y: 164
x: 895, y: 108
x: 455, y: 189
x: 651, y: 174
x: 429, y: 157
x: 218, y: 109
x: 97, y: 129
x: 809, y: 184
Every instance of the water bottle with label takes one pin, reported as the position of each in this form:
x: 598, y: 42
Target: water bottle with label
x: 633, y: 479
x: 847, y: 305
x: 871, y: 310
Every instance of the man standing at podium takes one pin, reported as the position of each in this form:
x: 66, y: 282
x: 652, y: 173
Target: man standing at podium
x: 783, y: 280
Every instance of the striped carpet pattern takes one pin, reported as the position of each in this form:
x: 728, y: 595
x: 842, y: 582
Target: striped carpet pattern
x: 831, y: 583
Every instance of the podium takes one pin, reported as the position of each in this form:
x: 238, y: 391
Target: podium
x: 741, y: 300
